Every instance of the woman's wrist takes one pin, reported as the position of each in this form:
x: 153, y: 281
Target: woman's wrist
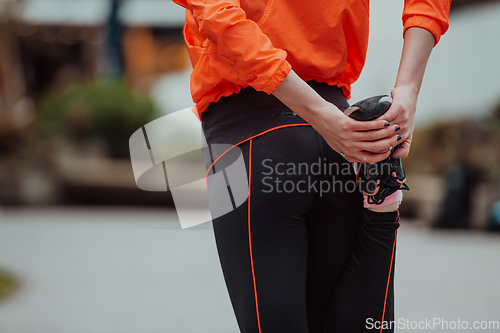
x: 406, y: 92
x: 321, y: 117
x: 411, y: 89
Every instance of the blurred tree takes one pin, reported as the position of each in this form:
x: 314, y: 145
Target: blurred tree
x: 110, y: 111
x: 8, y: 284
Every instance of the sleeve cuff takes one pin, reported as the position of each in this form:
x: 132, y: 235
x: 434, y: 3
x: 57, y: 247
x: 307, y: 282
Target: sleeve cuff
x: 276, y: 79
x: 425, y: 22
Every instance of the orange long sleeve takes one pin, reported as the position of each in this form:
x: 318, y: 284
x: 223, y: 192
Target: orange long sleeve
x: 239, y: 43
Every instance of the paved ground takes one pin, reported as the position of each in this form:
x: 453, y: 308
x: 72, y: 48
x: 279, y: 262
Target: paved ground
x: 104, y: 270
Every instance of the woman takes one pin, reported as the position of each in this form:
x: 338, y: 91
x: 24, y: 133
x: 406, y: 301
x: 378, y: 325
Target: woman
x: 272, y: 78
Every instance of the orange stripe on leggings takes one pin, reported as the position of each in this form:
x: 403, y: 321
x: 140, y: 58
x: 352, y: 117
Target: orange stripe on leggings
x: 250, y: 138
x: 390, y: 270
x: 249, y: 197
x: 250, y: 232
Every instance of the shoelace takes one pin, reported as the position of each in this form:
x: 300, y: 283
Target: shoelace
x: 386, y: 187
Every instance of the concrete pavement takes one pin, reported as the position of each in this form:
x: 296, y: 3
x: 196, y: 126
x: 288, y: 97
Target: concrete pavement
x: 106, y: 270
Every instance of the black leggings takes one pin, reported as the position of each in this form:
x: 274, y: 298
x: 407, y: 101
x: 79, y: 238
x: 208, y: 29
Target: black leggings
x: 297, y: 256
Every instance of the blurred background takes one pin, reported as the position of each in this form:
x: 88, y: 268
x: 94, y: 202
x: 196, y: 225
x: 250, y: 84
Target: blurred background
x: 83, y: 249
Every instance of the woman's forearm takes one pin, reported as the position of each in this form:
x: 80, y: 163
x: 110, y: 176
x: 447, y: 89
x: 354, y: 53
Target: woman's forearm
x: 417, y: 48
x: 416, y: 51
x: 301, y: 98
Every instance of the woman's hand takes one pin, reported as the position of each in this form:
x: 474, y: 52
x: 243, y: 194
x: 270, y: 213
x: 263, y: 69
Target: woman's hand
x: 402, y: 112
x: 417, y: 48
x: 360, y: 141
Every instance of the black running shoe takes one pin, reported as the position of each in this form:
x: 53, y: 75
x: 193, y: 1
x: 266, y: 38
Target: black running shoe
x: 370, y: 108
x: 381, y: 179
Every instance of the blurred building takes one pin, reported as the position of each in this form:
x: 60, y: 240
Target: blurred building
x: 60, y: 42
x: 152, y: 40
x: 50, y: 45
x: 47, y: 46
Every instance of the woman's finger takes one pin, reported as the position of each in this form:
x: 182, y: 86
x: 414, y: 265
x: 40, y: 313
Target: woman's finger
x: 393, y: 113
x: 368, y: 125
x: 367, y: 157
x: 375, y: 135
x: 403, y: 150
x: 380, y: 145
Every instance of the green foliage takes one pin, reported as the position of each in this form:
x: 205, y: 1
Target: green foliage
x: 111, y: 111
x: 8, y: 284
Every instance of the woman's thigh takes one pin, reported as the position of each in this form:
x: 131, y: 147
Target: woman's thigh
x: 263, y: 243
x: 287, y: 252
x: 351, y: 255
x: 333, y: 230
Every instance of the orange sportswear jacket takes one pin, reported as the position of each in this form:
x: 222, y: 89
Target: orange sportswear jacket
x: 239, y: 43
